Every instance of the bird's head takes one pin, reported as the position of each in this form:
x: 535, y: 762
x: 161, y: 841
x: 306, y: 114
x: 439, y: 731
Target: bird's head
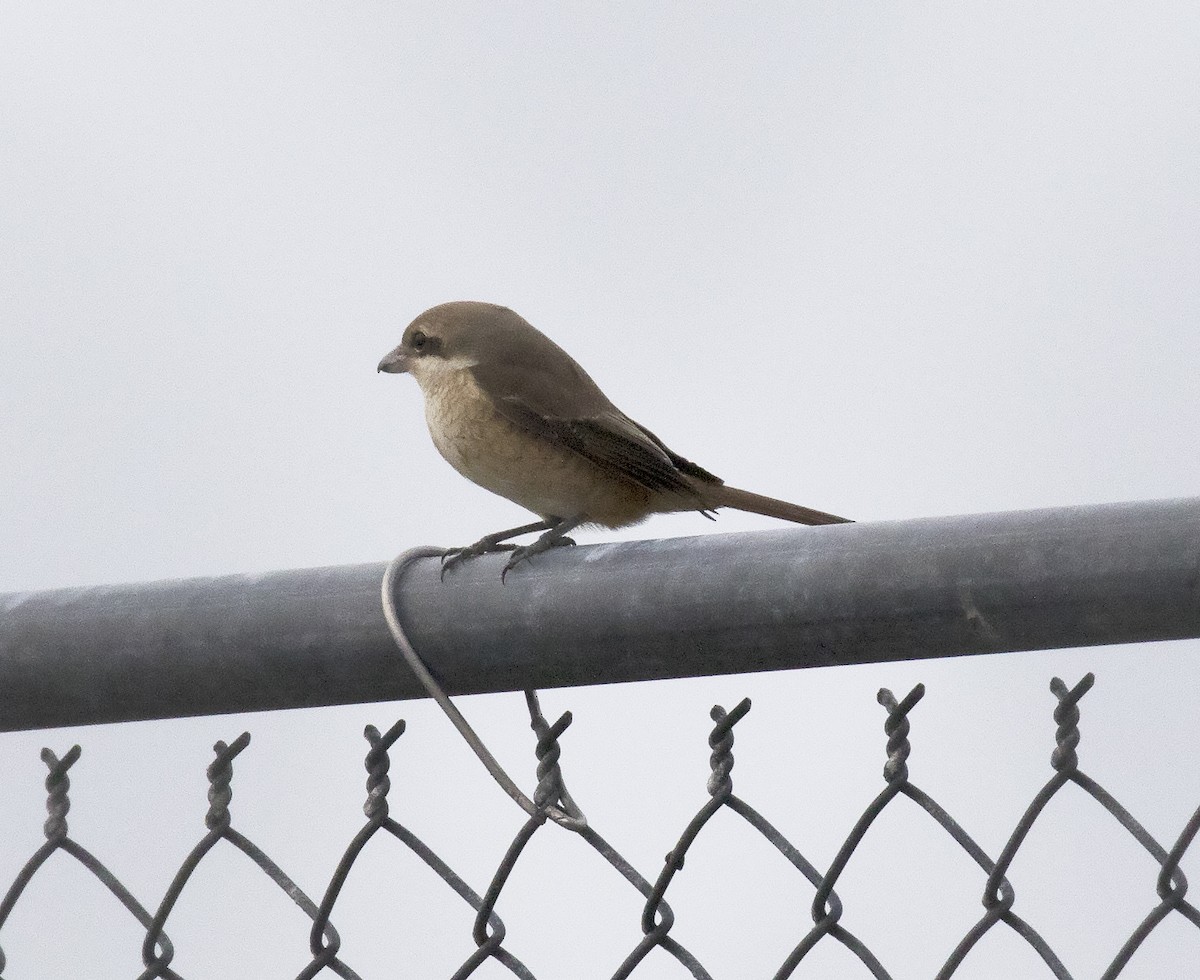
x: 449, y: 337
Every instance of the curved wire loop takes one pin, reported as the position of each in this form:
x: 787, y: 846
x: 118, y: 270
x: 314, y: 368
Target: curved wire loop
x: 563, y: 811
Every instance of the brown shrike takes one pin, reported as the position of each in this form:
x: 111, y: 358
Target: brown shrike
x: 512, y: 411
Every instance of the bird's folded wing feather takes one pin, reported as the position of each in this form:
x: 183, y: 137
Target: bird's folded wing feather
x: 587, y: 423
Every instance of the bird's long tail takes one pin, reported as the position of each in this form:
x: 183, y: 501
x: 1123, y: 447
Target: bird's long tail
x: 756, y: 503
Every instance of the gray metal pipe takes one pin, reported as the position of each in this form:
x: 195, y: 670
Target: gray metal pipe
x: 792, y: 597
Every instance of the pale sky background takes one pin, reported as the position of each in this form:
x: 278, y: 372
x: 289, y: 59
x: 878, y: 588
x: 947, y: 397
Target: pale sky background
x: 890, y: 260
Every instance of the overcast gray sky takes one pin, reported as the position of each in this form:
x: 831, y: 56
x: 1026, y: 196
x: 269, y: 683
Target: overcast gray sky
x: 889, y: 260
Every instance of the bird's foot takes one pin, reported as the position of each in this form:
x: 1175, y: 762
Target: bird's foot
x: 493, y: 542
x: 485, y: 545
x: 544, y: 543
x: 555, y: 534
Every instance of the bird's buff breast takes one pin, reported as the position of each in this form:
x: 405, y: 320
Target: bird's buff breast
x: 487, y: 449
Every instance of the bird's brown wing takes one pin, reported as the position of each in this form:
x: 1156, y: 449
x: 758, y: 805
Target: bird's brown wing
x: 560, y: 402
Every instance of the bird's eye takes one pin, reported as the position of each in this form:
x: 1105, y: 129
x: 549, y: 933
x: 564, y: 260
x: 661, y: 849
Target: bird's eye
x: 418, y: 340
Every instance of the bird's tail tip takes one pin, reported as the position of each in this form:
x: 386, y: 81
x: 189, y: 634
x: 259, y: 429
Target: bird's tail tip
x: 756, y: 503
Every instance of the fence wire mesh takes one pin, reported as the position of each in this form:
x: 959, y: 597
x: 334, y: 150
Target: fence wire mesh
x: 489, y: 936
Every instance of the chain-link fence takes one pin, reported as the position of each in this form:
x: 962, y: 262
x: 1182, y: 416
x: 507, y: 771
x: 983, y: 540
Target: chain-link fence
x: 1001, y: 908
x: 732, y: 603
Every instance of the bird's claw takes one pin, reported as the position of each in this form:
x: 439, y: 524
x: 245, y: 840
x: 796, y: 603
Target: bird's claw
x: 519, y: 555
x: 524, y: 554
x: 456, y: 556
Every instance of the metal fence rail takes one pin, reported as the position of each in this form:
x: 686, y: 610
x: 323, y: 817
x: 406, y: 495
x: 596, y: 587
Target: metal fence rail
x: 729, y: 603
x: 650, y: 918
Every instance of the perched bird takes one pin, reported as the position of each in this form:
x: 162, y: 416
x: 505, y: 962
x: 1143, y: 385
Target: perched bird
x: 512, y: 411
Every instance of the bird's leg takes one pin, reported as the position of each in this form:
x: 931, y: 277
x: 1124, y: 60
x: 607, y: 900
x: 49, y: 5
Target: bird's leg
x: 552, y: 538
x: 491, y: 542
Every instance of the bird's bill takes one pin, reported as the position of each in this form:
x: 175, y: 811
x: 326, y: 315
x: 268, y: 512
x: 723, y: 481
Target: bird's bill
x: 394, y: 362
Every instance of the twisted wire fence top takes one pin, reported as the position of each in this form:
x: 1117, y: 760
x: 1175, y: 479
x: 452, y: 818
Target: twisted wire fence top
x: 649, y: 916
